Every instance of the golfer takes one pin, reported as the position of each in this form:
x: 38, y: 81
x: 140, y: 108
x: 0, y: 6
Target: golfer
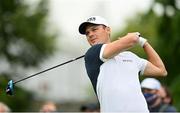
x: 113, y: 71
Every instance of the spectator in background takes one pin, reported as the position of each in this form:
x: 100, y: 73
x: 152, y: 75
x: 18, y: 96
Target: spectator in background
x: 4, y: 108
x: 48, y: 107
x: 151, y: 89
x: 167, y: 98
x: 90, y: 108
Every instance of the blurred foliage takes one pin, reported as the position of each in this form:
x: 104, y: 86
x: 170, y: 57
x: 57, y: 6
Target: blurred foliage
x: 25, y: 41
x: 24, y: 38
x: 162, y: 31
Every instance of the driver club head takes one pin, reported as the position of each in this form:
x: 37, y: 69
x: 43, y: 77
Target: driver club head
x: 9, y: 88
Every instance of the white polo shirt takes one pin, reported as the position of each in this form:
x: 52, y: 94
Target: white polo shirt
x: 117, y: 86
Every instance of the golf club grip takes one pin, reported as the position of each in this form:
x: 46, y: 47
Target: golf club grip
x: 49, y: 69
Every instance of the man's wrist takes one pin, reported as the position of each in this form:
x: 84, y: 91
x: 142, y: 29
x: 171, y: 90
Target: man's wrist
x: 142, y: 41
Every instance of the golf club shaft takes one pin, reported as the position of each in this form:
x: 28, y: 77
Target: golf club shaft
x: 48, y: 69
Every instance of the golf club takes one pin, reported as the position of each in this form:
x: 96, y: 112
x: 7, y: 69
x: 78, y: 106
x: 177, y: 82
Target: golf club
x: 10, y: 86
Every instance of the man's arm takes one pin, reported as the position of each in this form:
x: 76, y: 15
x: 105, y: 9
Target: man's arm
x: 120, y: 45
x: 155, y: 66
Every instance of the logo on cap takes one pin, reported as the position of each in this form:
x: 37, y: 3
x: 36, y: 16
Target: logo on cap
x: 91, y: 19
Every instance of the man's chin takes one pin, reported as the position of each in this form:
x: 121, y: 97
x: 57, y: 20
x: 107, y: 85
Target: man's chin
x: 95, y: 43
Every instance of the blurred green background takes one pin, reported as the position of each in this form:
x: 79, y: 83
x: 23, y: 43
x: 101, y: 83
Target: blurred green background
x: 25, y: 42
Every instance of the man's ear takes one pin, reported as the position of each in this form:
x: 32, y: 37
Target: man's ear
x: 108, y: 29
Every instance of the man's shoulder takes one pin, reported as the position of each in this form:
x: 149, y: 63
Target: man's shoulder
x: 92, y: 55
x: 97, y: 46
x: 95, y: 49
x: 170, y: 108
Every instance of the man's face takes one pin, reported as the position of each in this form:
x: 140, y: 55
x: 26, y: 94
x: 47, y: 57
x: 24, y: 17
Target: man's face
x: 97, y: 34
x: 151, y: 91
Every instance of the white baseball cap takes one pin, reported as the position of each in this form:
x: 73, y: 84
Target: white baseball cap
x: 92, y: 20
x: 151, y: 83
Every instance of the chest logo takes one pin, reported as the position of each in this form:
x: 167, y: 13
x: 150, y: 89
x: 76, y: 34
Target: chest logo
x: 127, y: 60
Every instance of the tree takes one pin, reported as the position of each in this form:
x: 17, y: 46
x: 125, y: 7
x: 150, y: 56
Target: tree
x: 24, y: 41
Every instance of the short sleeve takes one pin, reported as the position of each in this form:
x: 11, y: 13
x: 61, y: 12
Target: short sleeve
x: 142, y: 65
x: 101, y: 53
x: 93, y: 54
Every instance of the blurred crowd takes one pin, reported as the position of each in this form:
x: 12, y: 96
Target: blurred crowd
x: 93, y: 107
x: 157, y: 96
x: 48, y: 107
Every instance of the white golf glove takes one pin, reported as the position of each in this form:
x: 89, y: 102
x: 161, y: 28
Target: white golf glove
x: 141, y: 40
